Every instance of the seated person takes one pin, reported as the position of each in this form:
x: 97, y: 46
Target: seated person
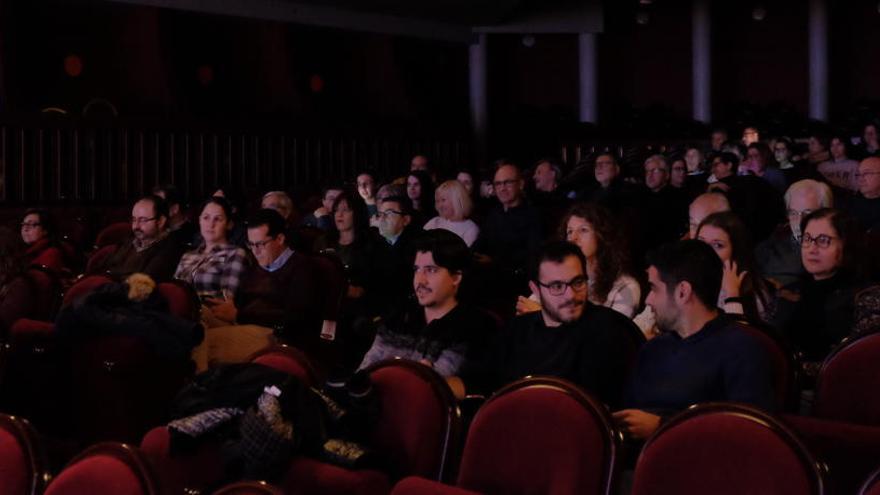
x: 590, y: 345
x: 16, y: 291
x: 821, y: 313
x: 366, y: 187
x: 39, y: 235
x: 779, y: 256
x: 278, y: 295
x: 702, y: 206
x: 151, y: 250
x: 441, y: 333
x: 865, y: 204
x: 214, y: 269
x: 321, y: 218
x: 702, y: 356
x: 182, y: 229
x: 454, y: 207
x: 592, y: 228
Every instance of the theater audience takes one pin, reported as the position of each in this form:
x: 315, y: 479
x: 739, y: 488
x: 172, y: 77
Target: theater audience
x: 759, y: 162
x: 277, y: 295
x: 758, y: 203
x: 361, y: 251
x: 779, y: 256
x: 16, y: 291
x: 321, y: 218
x: 569, y: 337
x: 840, y: 170
x: 454, y: 207
x: 151, y: 250
x: 467, y: 179
x: 182, y: 229
x: 678, y: 173
x: 821, y: 314
x: 39, y: 234
x: 441, y: 332
x: 511, y: 230
x: 592, y: 228
x: 743, y: 289
x: 546, y: 176
x: 703, y: 355
x: 702, y: 206
x: 420, y: 189
x: 366, y: 187
x: 865, y: 205
x: 214, y: 269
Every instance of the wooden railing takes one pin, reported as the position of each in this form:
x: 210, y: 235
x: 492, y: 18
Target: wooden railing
x: 63, y: 163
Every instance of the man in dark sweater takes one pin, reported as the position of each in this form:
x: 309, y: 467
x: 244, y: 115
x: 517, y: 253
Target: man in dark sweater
x: 151, y: 249
x: 570, y: 338
x: 280, y: 295
x: 703, y: 356
x: 865, y: 205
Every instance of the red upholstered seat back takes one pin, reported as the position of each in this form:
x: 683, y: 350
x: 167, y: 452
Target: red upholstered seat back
x: 540, y: 435
x: 84, y: 286
x: 872, y: 485
x: 23, y: 464
x: 98, y: 257
x: 47, y: 289
x: 784, y: 368
x: 249, y: 488
x: 113, y: 234
x: 847, y: 386
x: 418, y: 420
x: 725, y: 449
x: 289, y: 360
x: 181, y: 299
x: 105, y: 468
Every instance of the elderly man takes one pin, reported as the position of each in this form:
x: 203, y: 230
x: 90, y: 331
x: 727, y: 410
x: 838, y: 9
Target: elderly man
x: 701, y: 207
x: 779, y: 257
x: 151, y: 249
x: 865, y: 205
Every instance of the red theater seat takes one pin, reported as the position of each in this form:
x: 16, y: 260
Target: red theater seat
x: 537, y: 435
x: 97, y: 258
x: 113, y: 234
x: 847, y: 385
x: 23, y: 462
x: 725, y: 449
x: 105, y: 468
x: 289, y: 360
x: 181, y: 298
x: 417, y: 432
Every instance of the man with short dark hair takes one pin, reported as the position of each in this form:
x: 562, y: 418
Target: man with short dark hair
x: 150, y: 250
x: 590, y: 345
x: 865, y: 205
x: 279, y: 294
x: 440, y: 332
x: 321, y: 218
x: 703, y: 356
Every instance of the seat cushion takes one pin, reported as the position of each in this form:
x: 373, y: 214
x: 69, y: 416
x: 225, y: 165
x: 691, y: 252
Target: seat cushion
x: 311, y: 477
x: 413, y: 485
x: 96, y: 474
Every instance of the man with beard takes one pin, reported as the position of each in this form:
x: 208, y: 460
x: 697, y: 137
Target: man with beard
x: 570, y: 338
x: 440, y: 332
x: 703, y: 355
x: 151, y: 249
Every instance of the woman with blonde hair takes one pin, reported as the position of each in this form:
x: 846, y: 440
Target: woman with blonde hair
x: 454, y: 206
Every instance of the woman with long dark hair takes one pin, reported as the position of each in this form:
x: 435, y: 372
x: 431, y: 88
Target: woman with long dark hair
x: 743, y: 290
x: 420, y: 190
x: 592, y: 228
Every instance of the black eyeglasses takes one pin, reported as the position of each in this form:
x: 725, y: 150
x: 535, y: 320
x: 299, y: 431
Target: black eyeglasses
x: 383, y: 214
x: 505, y: 183
x: 260, y: 244
x: 141, y: 220
x: 822, y: 240
x: 30, y: 225
x: 557, y: 288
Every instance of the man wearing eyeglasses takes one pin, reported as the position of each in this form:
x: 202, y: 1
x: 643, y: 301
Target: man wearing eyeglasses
x: 279, y: 293
x: 865, y: 205
x: 150, y: 250
x: 569, y: 338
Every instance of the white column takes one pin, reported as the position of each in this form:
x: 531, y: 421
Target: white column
x: 587, y: 82
x: 818, y: 55
x: 478, y: 74
x: 701, y: 54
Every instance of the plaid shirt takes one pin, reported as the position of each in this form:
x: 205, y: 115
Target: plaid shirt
x: 215, y: 272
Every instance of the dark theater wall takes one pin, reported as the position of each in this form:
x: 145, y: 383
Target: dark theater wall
x: 855, y: 58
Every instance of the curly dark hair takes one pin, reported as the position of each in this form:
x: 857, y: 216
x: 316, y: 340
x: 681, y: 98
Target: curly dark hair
x: 612, y: 259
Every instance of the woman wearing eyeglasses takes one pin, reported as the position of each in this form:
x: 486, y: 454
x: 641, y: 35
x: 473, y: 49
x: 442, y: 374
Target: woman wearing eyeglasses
x: 39, y: 236
x: 820, y: 314
x: 592, y: 228
x: 215, y: 267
